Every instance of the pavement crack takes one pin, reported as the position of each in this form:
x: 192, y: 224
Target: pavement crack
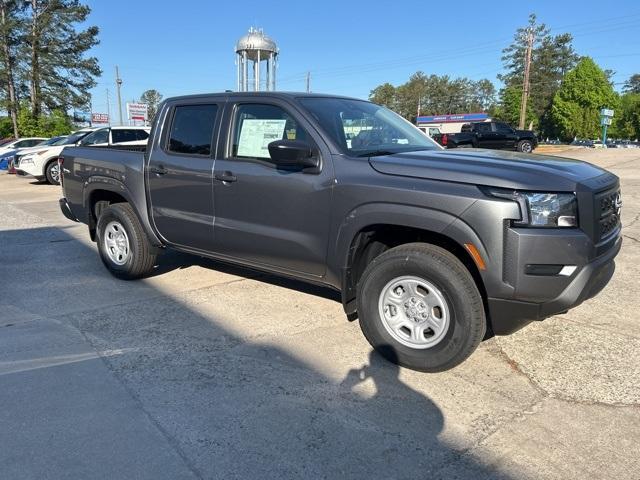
x: 632, y: 222
x: 634, y: 239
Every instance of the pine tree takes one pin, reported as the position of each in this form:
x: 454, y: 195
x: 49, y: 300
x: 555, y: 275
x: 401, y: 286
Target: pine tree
x: 60, y: 75
x: 152, y: 98
x: 9, y: 38
x: 551, y: 58
x: 633, y: 84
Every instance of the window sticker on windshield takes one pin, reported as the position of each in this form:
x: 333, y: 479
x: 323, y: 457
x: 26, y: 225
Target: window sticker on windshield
x: 257, y: 134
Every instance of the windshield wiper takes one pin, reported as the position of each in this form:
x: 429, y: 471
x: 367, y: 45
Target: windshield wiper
x: 376, y: 153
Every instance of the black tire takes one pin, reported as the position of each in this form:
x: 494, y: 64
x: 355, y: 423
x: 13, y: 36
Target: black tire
x: 142, y: 255
x: 467, y: 323
x: 525, y: 146
x: 50, y: 172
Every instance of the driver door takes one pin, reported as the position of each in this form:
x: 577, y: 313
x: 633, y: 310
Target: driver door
x: 266, y: 215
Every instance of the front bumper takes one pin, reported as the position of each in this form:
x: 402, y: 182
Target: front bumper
x: 29, y: 168
x: 510, y: 315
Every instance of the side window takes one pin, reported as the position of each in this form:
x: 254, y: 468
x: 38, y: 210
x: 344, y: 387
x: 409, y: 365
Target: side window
x: 434, y: 131
x: 141, y: 135
x: 503, y: 128
x: 255, y: 126
x: 192, y: 129
x: 120, y: 135
x: 483, y: 127
x: 99, y: 136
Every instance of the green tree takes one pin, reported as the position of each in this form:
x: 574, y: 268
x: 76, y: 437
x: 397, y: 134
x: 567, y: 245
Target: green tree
x: 551, y: 58
x: 6, y: 127
x: 434, y: 94
x: 627, y: 117
x: 509, y: 108
x: 56, y: 123
x: 60, y: 73
x: 152, y: 98
x: 384, y: 95
x: 633, y: 84
x: 577, y: 103
x: 9, y: 38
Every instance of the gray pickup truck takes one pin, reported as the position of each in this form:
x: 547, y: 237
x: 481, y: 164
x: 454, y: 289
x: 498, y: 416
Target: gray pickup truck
x: 431, y: 249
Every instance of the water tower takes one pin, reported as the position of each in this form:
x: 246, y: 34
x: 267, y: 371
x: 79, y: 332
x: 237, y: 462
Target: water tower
x: 251, y: 51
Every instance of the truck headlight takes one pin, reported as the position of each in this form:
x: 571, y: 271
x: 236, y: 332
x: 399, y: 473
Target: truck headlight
x: 542, y: 209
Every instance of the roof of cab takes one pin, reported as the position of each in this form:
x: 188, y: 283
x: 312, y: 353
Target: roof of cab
x: 278, y: 94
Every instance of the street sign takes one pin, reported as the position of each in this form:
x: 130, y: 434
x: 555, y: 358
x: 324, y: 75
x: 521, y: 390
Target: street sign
x: 137, y: 111
x: 605, y: 120
x: 99, y: 118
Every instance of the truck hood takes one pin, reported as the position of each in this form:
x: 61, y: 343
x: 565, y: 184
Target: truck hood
x: 493, y: 168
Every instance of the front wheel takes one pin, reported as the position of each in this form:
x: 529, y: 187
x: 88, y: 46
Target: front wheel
x: 124, y: 247
x: 420, y: 307
x: 525, y: 146
x: 52, y: 173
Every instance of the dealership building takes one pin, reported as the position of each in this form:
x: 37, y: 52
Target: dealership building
x: 449, y: 123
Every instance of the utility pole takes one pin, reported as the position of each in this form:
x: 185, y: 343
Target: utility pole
x: 108, y: 108
x: 525, y: 84
x: 308, y: 82
x: 118, y: 85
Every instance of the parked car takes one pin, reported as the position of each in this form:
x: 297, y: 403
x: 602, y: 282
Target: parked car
x: 41, y: 162
x: 21, y: 143
x: 7, y: 159
x: 429, y: 247
x: 583, y: 143
x: 117, y: 136
x: 492, y: 135
x: 434, y: 133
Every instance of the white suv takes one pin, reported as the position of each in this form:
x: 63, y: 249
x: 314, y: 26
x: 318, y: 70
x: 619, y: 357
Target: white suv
x: 116, y: 136
x: 42, y: 163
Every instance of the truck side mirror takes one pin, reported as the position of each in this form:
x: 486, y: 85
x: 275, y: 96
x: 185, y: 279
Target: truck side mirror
x: 292, y: 153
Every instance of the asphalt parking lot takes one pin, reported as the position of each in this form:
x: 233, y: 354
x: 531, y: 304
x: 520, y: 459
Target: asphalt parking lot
x: 211, y: 371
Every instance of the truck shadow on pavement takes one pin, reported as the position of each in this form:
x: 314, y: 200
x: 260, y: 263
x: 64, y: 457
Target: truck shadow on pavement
x: 231, y: 398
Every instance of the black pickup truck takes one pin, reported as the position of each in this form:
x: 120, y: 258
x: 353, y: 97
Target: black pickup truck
x: 492, y: 135
x: 430, y: 248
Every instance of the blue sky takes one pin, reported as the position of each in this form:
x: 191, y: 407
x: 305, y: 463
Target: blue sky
x: 348, y: 46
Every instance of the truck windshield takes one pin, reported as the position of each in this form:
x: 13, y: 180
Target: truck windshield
x: 363, y: 129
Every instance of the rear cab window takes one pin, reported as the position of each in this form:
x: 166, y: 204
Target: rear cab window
x: 191, y: 131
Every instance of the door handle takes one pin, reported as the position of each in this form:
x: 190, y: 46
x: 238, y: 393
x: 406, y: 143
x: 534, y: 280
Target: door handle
x: 226, y: 177
x: 159, y: 170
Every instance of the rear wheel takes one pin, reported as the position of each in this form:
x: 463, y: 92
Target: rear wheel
x: 525, y: 146
x: 124, y: 247
x: 52, y: 172
x: 420, y: 307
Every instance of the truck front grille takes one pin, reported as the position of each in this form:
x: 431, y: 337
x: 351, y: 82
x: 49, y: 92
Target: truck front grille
x: 609, y: 205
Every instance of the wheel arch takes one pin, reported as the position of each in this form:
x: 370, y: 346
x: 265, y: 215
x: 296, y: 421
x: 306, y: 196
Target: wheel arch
x: 110, y: 190
x: 47, y: 162
x: 361, y: 242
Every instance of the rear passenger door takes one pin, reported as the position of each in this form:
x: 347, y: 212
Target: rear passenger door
x: 485, y: 136
x: 505, y: 136
x: 179, y: 174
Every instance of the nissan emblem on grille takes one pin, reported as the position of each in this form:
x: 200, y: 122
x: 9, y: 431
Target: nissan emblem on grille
x: 618, y: 204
